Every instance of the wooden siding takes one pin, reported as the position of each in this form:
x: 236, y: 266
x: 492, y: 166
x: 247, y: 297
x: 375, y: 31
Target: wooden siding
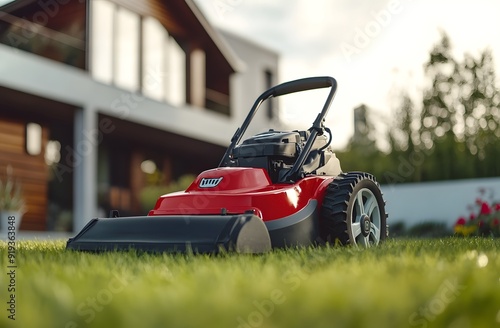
x: 30, y: 171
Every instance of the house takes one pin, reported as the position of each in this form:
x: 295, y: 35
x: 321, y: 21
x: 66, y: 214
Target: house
x: 100, y: 98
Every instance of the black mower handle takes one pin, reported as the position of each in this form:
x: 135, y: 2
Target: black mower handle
x: 309, y: 83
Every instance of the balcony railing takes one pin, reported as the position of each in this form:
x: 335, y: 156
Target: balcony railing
x: 41, y: 40
x: 217, y: 101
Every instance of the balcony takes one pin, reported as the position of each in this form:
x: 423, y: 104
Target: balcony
x: 61, y: 38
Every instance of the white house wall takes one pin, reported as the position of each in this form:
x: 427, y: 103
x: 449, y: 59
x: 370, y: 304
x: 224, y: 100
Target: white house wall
x: 247, y: 85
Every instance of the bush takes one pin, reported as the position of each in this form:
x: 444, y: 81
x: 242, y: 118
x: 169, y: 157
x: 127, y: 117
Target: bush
x: 483, y: 220
x: 427, y: 229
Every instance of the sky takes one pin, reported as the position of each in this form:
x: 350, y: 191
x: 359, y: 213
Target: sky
x: 374, y: 48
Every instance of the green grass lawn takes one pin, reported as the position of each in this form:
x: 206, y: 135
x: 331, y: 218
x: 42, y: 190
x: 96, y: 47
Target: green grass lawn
x: 402, y: 283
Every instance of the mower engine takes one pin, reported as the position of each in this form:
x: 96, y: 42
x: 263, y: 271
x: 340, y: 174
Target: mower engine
x: 277, y: 152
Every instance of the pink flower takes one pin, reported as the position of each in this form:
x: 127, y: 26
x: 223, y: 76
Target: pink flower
x: 495, y: 222
x: 497, y: 207
x: 472, y: 216
x: 481, y: 223
x: 460, y: 221
x: 485, y: 209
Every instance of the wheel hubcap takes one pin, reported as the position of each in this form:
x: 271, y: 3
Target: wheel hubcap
x: 365, y: 225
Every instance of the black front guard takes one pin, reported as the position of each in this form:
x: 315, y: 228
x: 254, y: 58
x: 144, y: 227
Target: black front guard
x: 244, y: 233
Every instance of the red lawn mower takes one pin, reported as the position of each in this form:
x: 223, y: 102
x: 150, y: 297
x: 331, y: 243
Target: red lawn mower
x: 276, y: 189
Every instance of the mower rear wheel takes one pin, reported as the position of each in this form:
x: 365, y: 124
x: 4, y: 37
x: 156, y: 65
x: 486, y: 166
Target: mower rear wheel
x: 353, y: 211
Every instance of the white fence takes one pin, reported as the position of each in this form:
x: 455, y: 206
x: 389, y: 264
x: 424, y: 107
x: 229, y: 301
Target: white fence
x: 442, y: 201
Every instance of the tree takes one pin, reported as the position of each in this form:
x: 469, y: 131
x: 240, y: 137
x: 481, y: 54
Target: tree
x: 453, y: 134
x: 401, y: 135
x: 403, y: 142
x: 480, y: 101
x: 362, y: 153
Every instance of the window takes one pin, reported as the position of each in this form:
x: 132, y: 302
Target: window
x: 176, y: 87
x: 101, y: 49
x: 269, y: 84
x: 118, y: 38
x: 164, y: 64
x: 127, y: 49
x: 153, y: 47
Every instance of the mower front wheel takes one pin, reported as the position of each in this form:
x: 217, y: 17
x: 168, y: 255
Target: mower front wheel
x: 353, y: 211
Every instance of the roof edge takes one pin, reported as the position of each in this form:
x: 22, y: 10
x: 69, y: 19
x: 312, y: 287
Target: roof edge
x: 236, y: 63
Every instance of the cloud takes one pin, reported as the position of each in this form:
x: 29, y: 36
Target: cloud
x: 297, y: 28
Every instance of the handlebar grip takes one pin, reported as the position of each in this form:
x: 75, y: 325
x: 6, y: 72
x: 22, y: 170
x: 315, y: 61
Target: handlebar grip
x: 303, y: 84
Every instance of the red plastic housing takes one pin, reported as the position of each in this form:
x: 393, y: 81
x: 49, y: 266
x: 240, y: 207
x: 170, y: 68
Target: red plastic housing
x: 236, y: 190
